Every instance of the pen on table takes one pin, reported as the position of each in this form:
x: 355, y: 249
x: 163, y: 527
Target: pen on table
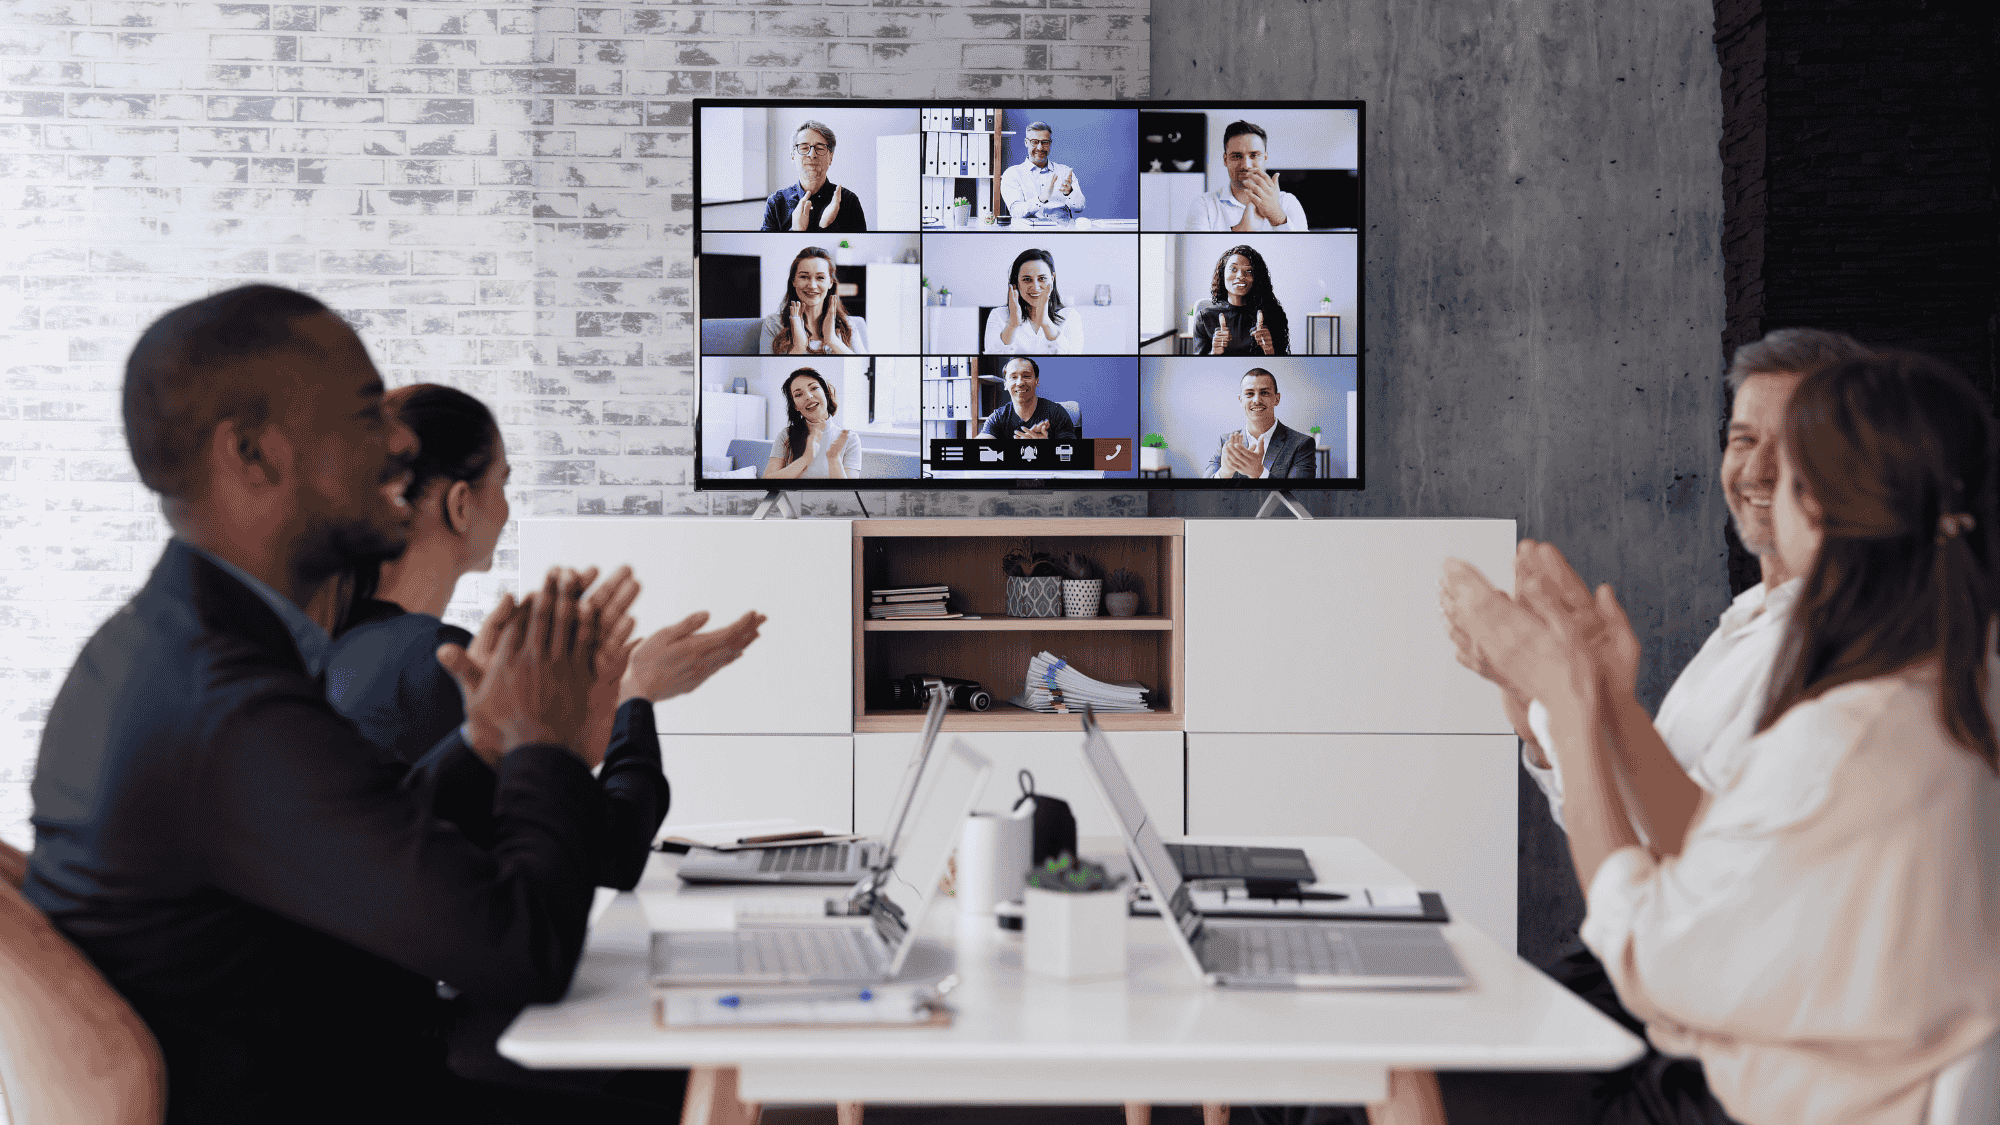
x: 739, y: 1000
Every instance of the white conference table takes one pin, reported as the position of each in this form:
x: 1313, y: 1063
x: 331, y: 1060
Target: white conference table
x: 1155, y: 1035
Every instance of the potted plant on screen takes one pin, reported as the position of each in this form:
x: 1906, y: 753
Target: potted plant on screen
x: 1074, y: 920
x: 1190, y: 320
x: 1121, y: 593
x: 1319, y: 439
x: 927, y: 291
x: 1152, y: 453
x: 944, y: 296
x: 960, y: 208
x: 843, y: 254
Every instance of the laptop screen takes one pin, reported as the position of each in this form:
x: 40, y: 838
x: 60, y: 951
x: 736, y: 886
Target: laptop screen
x: 1156, y: 866
x: 913, y: 772
x: 951, y: 782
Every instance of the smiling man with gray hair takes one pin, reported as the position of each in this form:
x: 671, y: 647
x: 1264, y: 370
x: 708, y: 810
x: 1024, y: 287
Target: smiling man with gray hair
x: 1039, y: 187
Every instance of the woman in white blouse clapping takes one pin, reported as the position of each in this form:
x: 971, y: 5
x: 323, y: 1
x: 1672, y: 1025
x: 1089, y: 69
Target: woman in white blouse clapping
x: 1033, y: 321
x: 1822, y: 930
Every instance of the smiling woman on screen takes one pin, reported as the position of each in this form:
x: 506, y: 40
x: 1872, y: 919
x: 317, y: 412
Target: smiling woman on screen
x: 1033, y: 322
x: 824, y: 449
x: 811, y: 320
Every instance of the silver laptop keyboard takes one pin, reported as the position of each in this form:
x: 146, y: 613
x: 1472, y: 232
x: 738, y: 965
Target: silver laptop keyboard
x: 805, y: 952
x: 1291, y: 950
x: 804, y: 859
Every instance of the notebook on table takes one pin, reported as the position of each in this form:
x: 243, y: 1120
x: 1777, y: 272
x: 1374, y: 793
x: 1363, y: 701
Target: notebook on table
x: 836, y: 862
x: 1248, y: 954
x: 833, y: 954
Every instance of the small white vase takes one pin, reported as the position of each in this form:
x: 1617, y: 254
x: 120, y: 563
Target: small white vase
x: 1072, y: 936
x: 1152, y: 459
x: 1081, y: 596
x: 843, y: 256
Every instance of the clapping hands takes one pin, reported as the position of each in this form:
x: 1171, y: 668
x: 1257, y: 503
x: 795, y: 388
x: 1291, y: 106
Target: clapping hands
x: 1240, y: 456
x: 1554, y: 641
x: 802, y: 213
x: 1266, y: 197
x: 676, y: 660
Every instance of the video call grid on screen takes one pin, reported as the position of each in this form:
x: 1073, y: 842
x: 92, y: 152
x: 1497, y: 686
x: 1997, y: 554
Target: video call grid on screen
x: 1119, y: 223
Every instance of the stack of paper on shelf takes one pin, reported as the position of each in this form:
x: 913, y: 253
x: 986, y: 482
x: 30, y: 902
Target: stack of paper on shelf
x: 903, y: 602
x: 1055, y: 687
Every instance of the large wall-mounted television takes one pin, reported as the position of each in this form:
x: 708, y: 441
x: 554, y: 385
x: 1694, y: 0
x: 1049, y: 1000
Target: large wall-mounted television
x: 1020, y: 295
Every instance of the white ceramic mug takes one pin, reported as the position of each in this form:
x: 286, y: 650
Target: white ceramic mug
x: 994, y: 851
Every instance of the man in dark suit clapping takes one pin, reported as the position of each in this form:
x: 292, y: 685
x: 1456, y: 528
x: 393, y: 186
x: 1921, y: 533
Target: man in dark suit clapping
x: 1264, y: 447
x: 277, y: 899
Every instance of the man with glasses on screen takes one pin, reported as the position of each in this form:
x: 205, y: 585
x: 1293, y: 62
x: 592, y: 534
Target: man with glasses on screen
x: 1038, y: 187
x: 1252, y: 202
x: 814, y: 202
x: 1264, y: 447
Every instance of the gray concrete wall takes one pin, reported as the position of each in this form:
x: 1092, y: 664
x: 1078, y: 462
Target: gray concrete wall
x: 1544, y: 301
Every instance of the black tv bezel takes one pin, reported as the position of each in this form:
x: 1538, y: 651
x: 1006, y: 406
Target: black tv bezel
x: 1135, y: 483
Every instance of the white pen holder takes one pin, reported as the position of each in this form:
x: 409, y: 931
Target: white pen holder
x: 1074, y: 935
x: 994, y: 851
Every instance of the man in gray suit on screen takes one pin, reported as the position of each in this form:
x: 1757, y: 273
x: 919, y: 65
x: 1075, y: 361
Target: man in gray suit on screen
x: 1264, y: 447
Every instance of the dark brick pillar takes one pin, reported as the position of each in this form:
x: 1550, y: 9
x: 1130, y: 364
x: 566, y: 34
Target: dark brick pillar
x: 1858, y: 148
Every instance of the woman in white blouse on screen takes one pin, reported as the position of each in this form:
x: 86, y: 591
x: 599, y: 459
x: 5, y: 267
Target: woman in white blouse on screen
x: 823, y: 449
x: 1033, y: 321
x: 1822, y: 931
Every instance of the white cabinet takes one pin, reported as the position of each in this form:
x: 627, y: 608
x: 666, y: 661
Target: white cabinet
x: 893, y: 303
x: 726, y: 417
x: 895, y: 206
x: 1332, y: 625
x: 1153, y: 760
x: 1164, y: 197
x: 722, y: 777
x: 1441, y: 808
x: 798, y: 678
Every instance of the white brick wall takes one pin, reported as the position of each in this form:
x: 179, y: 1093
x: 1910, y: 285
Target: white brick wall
x: 498, y: 197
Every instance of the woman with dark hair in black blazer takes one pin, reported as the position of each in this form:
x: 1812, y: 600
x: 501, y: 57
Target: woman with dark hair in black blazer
x: 1242, y: 316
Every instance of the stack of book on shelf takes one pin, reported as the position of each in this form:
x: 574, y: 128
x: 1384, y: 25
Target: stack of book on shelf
x: 901, y: 603
x: 1055, y: 687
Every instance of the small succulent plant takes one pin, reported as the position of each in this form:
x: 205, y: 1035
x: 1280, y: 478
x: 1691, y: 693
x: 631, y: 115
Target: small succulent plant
x: 1076, y: 564
x: 1122, y: 581
x: 1071, y: 875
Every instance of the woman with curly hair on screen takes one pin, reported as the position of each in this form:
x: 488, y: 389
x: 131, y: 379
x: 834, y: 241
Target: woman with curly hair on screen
x: 1242, y: 315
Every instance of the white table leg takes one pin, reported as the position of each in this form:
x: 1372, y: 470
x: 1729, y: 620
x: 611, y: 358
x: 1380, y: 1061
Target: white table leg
x: 711, y: 1099
x: 1413, y: 1100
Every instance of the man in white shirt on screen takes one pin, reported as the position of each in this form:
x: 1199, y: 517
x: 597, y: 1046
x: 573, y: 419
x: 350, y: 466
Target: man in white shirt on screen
x: 1264, y: 447
x: 1038, y: 187
x: 1252, y: 202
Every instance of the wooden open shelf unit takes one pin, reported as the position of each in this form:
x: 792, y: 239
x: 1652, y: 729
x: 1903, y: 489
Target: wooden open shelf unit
x: 994, y: 650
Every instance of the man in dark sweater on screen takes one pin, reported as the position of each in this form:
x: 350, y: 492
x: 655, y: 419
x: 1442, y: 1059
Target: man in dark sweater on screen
x: 1027, y: 414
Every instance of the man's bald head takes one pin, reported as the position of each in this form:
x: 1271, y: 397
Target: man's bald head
x: 196, y: 367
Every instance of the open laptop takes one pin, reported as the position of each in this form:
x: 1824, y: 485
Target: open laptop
x: 836, y: 862
x: 1252, y: 954
x: 838, y: 954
